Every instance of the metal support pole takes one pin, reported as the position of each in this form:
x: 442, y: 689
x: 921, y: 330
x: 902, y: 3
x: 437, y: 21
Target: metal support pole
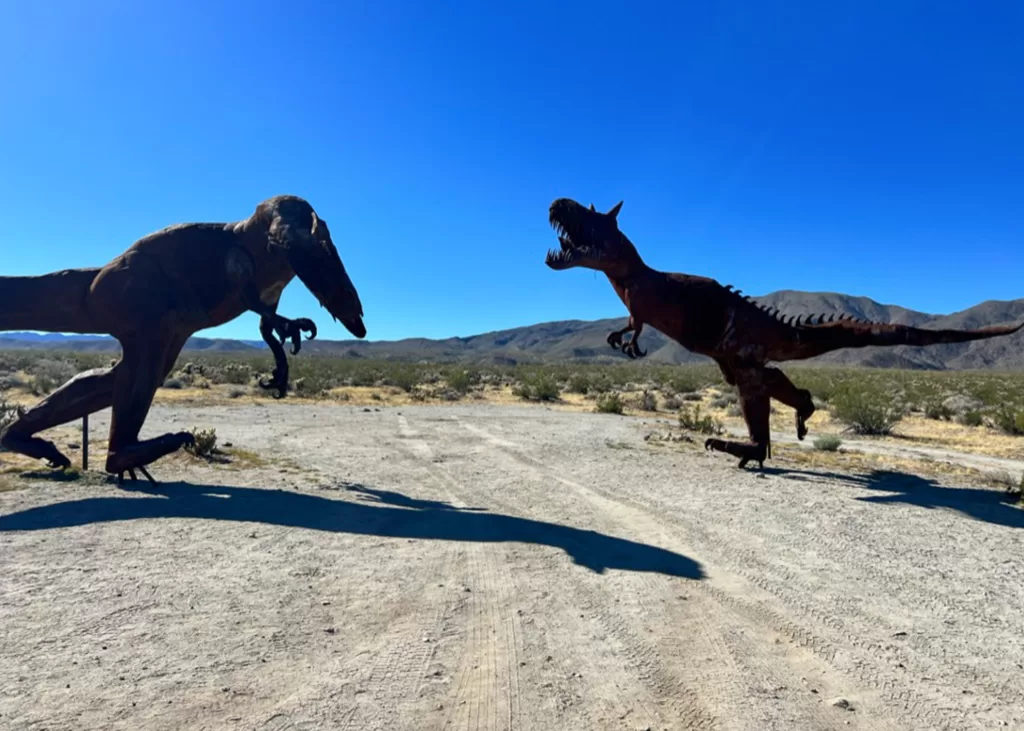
x: 85, y: 443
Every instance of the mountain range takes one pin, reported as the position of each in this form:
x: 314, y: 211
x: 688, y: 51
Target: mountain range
x: 584, y: 341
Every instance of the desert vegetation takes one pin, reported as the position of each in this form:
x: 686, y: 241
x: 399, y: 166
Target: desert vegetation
x: 862, y: 401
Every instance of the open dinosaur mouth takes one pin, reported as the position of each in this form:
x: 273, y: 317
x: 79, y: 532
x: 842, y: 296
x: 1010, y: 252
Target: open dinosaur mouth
x: 570, y: 254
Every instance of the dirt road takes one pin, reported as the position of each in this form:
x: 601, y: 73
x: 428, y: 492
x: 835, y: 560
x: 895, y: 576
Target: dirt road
x: 482, y: 567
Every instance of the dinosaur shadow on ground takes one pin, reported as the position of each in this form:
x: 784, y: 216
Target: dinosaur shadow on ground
x: 988, y: 505
x: 373, y: 512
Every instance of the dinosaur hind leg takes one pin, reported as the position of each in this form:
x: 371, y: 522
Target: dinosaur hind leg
x: 84, y: 394
x: 144, y: 366
x: 783, y: 390
x: 756, y: 406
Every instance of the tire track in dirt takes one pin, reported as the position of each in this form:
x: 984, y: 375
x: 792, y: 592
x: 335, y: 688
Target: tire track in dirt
x: 486, y: 693
x: 399, y: 657
x: 928, y: 703
x: 926, y: 707
x: 675, y: 699
x: 743, y: 658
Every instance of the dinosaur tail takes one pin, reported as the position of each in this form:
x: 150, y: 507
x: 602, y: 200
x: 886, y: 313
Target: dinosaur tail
x: 54, y: 302
x: 823, y: 338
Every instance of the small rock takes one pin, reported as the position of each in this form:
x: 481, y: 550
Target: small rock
x: 841, y: 703
x: 900, y: 634
x: 74, y: 445
x: 228, y: 444
x: 330, y: 630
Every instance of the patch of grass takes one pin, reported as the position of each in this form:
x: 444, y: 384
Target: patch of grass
x: 609, y: 403
x: 690, y: 418
x: 827, y: 443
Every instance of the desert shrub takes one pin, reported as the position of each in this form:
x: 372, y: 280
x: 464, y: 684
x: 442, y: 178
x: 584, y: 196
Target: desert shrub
x: 403, y: 377
x: 537, y: 387
x: 1009, y: 420
x: 237, y: 374
x: 972, y: 418
x: 938, y: 411
x: 236, y: 392
x: 735, y: 410
x: 578, y: 383
x: 865, y: 408
x: 692, y: 396
x: 459, y: 380
x: 686, y: 381
x: 647, y: 402
x: 671, y: 403
x: 174, y: 383
x: 48, y: 374
x: 723, y: 401
x: 206, y: 442
x: 690, y: 418
x: 609, y: 403
x: 12, y: 381
x: 8, y: 412
x: 827, y: 443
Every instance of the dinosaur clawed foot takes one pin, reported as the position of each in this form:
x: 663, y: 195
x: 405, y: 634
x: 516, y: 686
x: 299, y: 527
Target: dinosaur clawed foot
x: 37, y: 449
x: 127, y: 459
x: 632, y: 349
x: 746, y: 452
x: 801, y: 419
x: 278, y: 381
x: 292, y: 330
x: 615, y: 339
x: 801, y: 427
x: 134, y: 477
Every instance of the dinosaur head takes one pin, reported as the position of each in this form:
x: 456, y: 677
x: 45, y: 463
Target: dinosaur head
x: 294, y: 227
x: 589, y: 238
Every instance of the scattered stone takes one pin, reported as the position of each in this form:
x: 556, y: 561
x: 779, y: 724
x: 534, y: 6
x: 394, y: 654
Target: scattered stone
x: 900, y: 634
x: 228, y: 444
x: 330, y: 630
x: 366, y: 411
x: 841, y: 703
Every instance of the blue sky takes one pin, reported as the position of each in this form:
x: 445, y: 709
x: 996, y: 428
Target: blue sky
x: 866, y: 147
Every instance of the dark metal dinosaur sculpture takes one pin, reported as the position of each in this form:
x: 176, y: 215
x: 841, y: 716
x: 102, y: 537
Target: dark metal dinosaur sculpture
x: 704, y: 317
x: 153, y: 297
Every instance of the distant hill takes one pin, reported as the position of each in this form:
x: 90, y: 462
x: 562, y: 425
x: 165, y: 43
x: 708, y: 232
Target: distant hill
x: 584, y: 341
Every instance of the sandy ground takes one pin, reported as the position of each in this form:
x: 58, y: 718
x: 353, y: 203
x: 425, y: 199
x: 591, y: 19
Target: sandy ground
x: 499, y: 567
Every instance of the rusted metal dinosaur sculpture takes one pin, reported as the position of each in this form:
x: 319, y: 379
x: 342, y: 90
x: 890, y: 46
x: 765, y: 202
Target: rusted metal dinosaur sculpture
x: 153, y: 297
x: 704, y: 317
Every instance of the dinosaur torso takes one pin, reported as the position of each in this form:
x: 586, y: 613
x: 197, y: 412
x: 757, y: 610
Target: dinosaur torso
x: 201, y: 266
x: 701, y: 315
